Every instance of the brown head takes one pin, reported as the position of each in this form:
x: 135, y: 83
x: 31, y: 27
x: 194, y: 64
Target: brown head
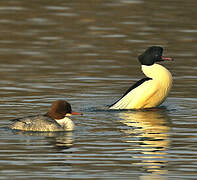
x: 60, y: 109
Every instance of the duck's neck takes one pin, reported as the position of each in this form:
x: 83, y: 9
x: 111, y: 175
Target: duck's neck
x: 66, y: 123
x: 158, y: 73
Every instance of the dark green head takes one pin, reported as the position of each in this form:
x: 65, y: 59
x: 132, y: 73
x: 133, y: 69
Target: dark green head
x: 151, y: 55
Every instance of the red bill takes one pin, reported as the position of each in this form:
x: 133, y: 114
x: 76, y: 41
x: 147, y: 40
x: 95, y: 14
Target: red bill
x: 76, y: 113
x: 166, y: 58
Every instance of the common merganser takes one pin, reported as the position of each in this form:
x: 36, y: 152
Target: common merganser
x: 54, y: 120
x: 151, y: 91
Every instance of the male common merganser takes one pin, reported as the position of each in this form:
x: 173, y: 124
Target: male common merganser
x: 54, y: 120
x: 150, y: 91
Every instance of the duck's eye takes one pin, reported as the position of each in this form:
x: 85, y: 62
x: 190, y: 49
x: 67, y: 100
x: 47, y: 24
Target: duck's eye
x: 157, y: 56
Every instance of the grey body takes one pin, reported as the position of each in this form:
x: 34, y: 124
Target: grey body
x: 36, y: 123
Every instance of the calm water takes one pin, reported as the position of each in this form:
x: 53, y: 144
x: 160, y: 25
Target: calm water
x: 86, y: 52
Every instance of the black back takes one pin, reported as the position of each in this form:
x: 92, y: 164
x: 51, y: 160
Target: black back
x: 138, y: 83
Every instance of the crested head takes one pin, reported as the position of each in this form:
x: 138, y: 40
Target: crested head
x: 151, y: 55
x: 59, y: 109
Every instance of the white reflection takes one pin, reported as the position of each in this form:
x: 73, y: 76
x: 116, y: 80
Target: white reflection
x: 147, y: 131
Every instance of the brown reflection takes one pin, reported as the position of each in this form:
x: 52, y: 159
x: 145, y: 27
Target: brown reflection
x: 150, y: 130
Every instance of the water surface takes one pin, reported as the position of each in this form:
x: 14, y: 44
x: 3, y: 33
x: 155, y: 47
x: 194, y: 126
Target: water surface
x: 86, y: 52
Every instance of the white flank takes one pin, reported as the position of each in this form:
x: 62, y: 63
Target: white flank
x: 149, y: 94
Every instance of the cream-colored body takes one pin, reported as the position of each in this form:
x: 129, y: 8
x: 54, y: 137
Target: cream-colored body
x: 149, y: 94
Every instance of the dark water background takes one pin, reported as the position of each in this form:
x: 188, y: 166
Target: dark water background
x: 86, y: 52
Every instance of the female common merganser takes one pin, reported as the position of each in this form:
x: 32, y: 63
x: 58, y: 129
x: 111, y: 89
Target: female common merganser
x: 54, y: 120
x: 150, y: 91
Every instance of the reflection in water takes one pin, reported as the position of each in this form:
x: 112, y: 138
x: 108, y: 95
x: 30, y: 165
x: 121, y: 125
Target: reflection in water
x: 151, y: 130
x: 63, y: 140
